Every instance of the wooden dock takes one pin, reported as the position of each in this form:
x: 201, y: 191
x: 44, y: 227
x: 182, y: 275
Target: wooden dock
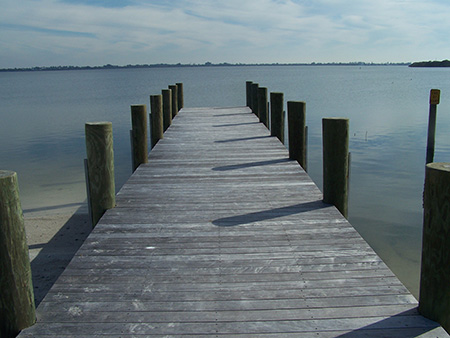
x: 220, y: 234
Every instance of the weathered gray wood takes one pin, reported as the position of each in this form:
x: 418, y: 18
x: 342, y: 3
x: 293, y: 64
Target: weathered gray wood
x: 277, y: 115
x: 167, y: 108
x: 296, y: 131
x: 157, y: 120
x: 248, y: 87
x: 174, y: 90
x: 255, y: 107
x: 17, y: 309
x: 262, y: 106
x: 100, y: 160
x: 434, y: 300
x: 180, y: 96
x: 139, y: 127
x: 335, y: 162
x: 238, y: 243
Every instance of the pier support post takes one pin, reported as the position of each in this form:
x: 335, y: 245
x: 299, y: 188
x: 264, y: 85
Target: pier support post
x: 296, y: 131
x: 17, y: 310
x: 157, y: 118
x: 100, y: 162
x: 255, y: 107
x: 335, y: 162
x: 167, y: 108
x: 434, y: 298
x: 139, y: 123
x: 248, y: 87
x: 262, y: 106
x: 434, y: 101
x: 277, y: 116
x: 180, y: 96
x: 174, y: 90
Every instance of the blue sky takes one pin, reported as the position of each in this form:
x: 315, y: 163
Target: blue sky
x: 97, y: 32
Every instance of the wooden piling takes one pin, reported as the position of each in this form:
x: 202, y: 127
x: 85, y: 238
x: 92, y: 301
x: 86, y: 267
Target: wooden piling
x: 335, y: 162
x: 157, y: 118
x: 277, y: 116
x: 174, y: 90
x: 139, y: 123
x: 434, y: 101
x: 296, y: 131
x: 17, y: 309
x: 248, y: 86
x: 434, y: 298
x: 167, y: 108
x: 100, y: 162
x: 255, y: 99
x: 262, y: 106
x: 180, y: 96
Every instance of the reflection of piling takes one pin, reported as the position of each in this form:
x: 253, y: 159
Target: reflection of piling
x: 262, y: 106
x: 248, y: 87
x: 277, y: 116
x: 157, y: 118
x: 100, y: 165
x: 296, y: 132
x: 174, y: 90
x: 335, y: 162
x: 139, y: 123
x: 167, y: 108
x: 17, y: 310
x: 434, y: 299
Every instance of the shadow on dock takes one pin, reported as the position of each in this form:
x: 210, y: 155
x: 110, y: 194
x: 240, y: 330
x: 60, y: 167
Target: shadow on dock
x: 270, y: 214
x: 394, y: 326
x: 250, y: 165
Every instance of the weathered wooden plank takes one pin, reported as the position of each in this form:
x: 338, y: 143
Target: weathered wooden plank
x: 220, y: 234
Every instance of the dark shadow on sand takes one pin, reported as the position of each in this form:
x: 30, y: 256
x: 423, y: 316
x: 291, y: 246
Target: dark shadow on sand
x: 57, y: 253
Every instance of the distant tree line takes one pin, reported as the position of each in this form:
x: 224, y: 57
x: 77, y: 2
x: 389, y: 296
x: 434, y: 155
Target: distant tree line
x: 206, y: 64
x: 444, y: 63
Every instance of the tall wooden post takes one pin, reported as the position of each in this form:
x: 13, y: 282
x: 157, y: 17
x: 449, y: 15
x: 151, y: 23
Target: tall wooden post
x: 262, y: 106
x: 434, y: 101
x: 17, y: 310
x: 255, y: 99
x: 277, y: 116
x: 248, y: 87
x: 296, y: 131
x: 139, y: 123
x: 100, y: 161
x: 180, y: 96
x: 167, y: 108
x: 157, y: 118
x: 174, y: 90
x: 434, y: 298
x: 335, y: 162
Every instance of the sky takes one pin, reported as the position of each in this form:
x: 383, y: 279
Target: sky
x: 122, y: 32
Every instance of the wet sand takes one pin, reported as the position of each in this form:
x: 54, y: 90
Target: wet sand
x: 54, y: 235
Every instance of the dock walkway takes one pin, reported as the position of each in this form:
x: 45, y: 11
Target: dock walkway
x: 220, y: 234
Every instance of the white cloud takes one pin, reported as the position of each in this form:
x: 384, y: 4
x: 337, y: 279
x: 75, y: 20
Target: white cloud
x: 44, y: 32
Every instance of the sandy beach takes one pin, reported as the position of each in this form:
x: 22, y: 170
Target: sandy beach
x: 54, y: 235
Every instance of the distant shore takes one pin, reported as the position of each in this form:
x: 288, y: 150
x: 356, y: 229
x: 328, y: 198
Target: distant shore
x: 206, y: 64
x: 444, y: 63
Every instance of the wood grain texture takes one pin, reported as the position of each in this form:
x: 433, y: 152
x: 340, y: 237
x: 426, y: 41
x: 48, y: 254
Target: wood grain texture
x: 17, y: 309
x: 220, y: 234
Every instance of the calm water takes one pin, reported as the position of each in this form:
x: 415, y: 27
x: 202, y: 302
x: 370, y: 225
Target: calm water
x: 43, y: 116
